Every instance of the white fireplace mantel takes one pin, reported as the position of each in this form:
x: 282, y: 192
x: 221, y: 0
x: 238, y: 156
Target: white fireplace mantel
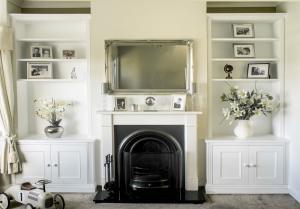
x: 185, y: 118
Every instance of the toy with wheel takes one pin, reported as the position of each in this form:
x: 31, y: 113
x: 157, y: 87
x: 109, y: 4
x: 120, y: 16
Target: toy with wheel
x: 31, y: 197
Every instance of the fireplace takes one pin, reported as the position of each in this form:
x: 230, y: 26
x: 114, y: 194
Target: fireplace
x: 150, y: 161
x: 154, y: 157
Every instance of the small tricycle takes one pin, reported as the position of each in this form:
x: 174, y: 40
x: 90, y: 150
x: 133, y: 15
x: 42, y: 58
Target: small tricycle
x: 31, y: 197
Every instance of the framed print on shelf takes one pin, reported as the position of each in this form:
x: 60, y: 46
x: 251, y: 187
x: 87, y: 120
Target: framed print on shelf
x: 39, y: 70
x: 42, y: 52
x: 243, y: 50
x: 258, y: 70
x: 68, y: 54
x: 120, y: 104
x: 243, y: 30
x: 178, y: 102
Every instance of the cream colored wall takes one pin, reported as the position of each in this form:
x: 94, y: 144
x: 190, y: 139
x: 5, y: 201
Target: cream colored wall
x: 144, y: 19
x: 292, y: 95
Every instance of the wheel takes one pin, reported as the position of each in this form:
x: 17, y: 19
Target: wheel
x: 4, y: 200
x: 59, y: 202
x: 29, y: 206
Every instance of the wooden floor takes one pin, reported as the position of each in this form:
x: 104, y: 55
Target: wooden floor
x: 84, y: 201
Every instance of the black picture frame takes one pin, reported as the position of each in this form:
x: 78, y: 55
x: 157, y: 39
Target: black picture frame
x: 258, y: 70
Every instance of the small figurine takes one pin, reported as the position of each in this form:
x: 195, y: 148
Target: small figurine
x: 73, y: 74
x: 228, y: 69
x: 31, y: 196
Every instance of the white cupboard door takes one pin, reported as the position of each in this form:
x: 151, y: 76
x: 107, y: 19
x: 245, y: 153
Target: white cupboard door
x: 36, y: 162
x: 230, y: 165
x: 69, y: 164
x: 266, y: 165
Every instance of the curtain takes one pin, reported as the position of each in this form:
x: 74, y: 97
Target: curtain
x: 10, y: 162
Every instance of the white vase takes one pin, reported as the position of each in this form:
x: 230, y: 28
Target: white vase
x: 243, y: 129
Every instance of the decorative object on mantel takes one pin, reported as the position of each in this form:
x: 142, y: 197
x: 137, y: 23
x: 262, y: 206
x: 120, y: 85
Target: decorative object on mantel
x: 228, y: 69
x: 243, y: 106
x: 178, y: 102
x: 120, y: 104
x: 52, y: 111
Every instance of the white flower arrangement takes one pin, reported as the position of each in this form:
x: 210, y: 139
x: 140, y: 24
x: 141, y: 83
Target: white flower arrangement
x: 245, y: 104
x: 51, y: 110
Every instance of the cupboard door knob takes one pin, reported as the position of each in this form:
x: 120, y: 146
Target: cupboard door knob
x: 246, y: 165
x: 252, y: 165
x: 48, y: 165
x: 55, y: 165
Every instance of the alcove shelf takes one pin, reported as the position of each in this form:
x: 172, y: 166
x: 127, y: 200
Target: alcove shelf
x: 60, y: 32
x: 268, y: 43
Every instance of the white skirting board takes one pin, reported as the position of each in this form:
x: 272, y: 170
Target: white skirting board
x: 87, y: 188
x: 247, y: 189
x: 294, y: 194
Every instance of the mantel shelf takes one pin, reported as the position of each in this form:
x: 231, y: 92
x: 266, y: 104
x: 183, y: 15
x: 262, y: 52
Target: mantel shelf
x: 246, y: 80
x: 244, y: 39
x: 52, y: 60
x: 149, y: 112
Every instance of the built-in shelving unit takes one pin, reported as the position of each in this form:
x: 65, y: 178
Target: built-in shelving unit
x: 60, y: 32
x: 269, y: 48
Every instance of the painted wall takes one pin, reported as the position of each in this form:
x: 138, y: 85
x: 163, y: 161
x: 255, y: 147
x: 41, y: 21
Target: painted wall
x: 144, y: 19
x: 292, y: 95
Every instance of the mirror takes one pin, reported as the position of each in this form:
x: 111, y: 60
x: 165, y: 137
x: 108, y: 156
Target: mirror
x: 149, y: 66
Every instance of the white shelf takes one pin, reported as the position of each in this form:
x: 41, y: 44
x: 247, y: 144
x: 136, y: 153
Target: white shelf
x: 52, y: 60
x: 245, y: 80
x: 50, y: 40
x: 51, y: 80
x: 244, y: 39
x: 245, y: 59
x: 65, y: 138
x: 260, y: 138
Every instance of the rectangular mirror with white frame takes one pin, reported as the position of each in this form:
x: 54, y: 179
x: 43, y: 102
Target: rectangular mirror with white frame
x: 149, y: 66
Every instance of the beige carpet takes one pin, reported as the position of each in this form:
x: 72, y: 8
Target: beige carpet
x: 84, y: 201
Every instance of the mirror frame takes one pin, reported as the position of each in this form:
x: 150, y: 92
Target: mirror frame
x: 111, y: 78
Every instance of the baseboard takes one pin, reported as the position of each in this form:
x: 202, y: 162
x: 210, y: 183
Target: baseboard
x: 86, y: 188
x: 257, y: 189
x: 294, y: 194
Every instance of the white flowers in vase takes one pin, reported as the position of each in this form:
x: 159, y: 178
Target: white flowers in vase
x: 51, y: 110
x: 245, y: 104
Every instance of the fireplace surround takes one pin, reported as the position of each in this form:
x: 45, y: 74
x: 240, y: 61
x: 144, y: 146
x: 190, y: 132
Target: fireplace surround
x: 181, y: 126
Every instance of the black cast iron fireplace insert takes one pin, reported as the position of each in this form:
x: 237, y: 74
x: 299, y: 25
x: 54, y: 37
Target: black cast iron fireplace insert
x: 149, y: 166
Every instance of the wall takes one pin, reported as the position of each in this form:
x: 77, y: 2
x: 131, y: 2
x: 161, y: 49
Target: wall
x: 292, y: 95
x: 144, y: 19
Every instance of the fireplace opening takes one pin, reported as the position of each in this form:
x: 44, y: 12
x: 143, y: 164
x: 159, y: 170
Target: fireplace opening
x: 149, y: 163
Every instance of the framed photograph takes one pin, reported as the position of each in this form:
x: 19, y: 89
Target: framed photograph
x: 120, y: 104
x: 68, y: 54
x: 243, y: 30
x: 35, y: 52
x: 243, y: 50
x: 39, y: 70
x: 178, y: 102
x: 43, y: 52
x: 46, y: 52
x: 258, y: 70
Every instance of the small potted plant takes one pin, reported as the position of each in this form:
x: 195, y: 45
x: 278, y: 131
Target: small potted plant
x: 52, y: 111
x: 243, y: 105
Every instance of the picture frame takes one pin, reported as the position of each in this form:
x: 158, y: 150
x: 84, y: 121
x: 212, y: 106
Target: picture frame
x: 243, y: 30
x: 258, y: 70
x: 121, y: 104
x: 39, y: 70
x: 243, y: 50
x: 41, y: 52
x: 68, y: 53
x: 178, y: 102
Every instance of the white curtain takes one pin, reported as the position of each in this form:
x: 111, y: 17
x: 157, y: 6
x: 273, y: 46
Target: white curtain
x: 10, y: 162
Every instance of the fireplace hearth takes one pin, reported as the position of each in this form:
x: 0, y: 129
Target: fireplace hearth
x: 149, y: 166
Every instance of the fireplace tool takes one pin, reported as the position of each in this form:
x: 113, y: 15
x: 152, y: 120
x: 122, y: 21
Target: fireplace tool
x: 109, y: 183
